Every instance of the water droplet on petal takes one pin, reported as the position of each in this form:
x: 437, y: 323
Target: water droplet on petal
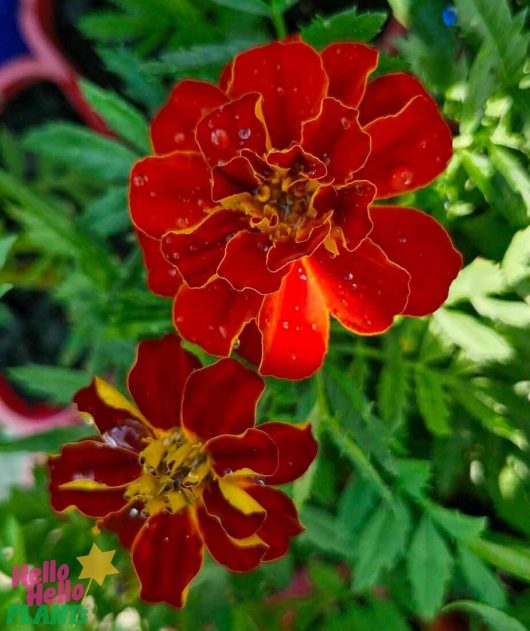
x: 228, y: 472
x: 223, y: 331
x: 285, y: 325
x: 345, y: 122
x: 179, y: 137
x: 280, y: 91
x: 244, y: 133
x: 220, y: 138
x: 401, y: 179
x: 139, y: 180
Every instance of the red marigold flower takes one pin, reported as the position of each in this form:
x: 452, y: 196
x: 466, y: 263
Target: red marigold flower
x: 184, y: 468
x: 261, y: 196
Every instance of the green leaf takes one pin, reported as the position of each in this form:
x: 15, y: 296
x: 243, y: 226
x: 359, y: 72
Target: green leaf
x: 326, y: 532
x: 480, y: 278
x: 12, y: 545
x: 456, y: 524
x: 429, y: 567
x: 108, y: 215
x: 254, y: 7
x: 516, y: 262
x: 497, y: 620
x: 6, y: 243
x: 413, y: 476
x: 393, y: 384
x: 356, y: 502
x: 513, y: 172
x: 480, y: 86
x: 498, y: 27
x: 401, y: 10
x: 82, y: 150
x: 121, y: 117
x: 344, y: 26
x: 55, y: 383
x: 507, y: 312
x: 479, y: 342
x: 432, y: 401
x: 512, y: 559
x: 381, y: 543
x: 47, y: 442
x: 482, y: 581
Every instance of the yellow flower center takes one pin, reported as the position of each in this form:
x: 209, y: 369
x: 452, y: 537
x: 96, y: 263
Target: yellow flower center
x: 173, y: 471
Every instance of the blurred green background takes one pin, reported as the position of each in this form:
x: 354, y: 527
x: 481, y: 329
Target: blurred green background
x: 417, y: 509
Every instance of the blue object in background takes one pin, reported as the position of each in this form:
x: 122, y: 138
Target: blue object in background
x: 12, y: 44
x: 449, y: 16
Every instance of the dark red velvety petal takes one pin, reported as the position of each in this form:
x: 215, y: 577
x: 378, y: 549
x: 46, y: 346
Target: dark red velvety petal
x: 162, y: 278
x: 387, y: 95
x: 363, y: 289
x: 337, y: 139
x: 232, y: 127
x: 157, y: 379
x: 234, y: 177
x: 253, y: 450
x: 250, y: 343
x: 348, y: 66
x: 294, y: 325
x: 298, y: 161
x: 173, y: 128
x: 96, y: 462
x: 409, y: 149
x: 169, y: 192
x: 235, y: 523
x: 350, y: 204
x: 245, y: 263
x: 197, y: 254
x: 292, y: 81
x: 117, y: 426
x: 419, y: 244
x: 213, y: 316
x: 167, y: 555
x: 296, y: 450
x: 221, y: 399
x: 281, y: 522
x: 224, y: 549
x: 284, y: 252
x: 126, y: 523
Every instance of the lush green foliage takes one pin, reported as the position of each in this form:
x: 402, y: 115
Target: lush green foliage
x: 419, y: 498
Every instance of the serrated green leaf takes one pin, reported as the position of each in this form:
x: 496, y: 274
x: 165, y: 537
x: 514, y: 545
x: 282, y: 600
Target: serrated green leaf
x: 380, y: 543
x: 356, y: 502
x: 347, y: 25
x: 108, y: 215
x: 507, y: 312
x: 513, y: 172
x: 393, y: 384
x: 516, y: 262
x: 512, y: 559
x: 413, y: 476
x: 497, y: 620
x: 82, y: 150
x: 432, y: 401
x: 429, y: 566
x: 326, y: 532
x: 482, y: 581
x: 482, y: 82
x: 121, y: 117
x: 456, y: 524
x: 53, y: 382
x: 479, y: 342
x: 254, y: 7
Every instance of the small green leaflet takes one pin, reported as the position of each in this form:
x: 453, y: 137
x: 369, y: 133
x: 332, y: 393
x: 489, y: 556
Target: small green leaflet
x: 431, y: 399
x: 497, y: 620
x: 344, y: 26
x: 482, y: 581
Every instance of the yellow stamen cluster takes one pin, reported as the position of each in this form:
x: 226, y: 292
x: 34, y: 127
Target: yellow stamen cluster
x: 174, y: 469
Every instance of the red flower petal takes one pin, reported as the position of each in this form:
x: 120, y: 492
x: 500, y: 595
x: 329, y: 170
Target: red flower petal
x: 126, y: 523
x: 362, y: 289
x: 250, y: 343
x: 232, y: 127
x: 213, y: 316
x: 245, y: 263
x: 117, y: 426
x: 235, y: 523
x: 173, y: 128
x: 162, y: 278
x: 337, y: 139
x: 388, y: 95
x: 167, y: 555
x: 419, y: 244
x: 409, y: 149
x: 169, y: 193
x: 284, y: 252
x: 290, y: 95
x: 295, y: 326
x: 348, y: 66
x: 197, y: 254
x: 281, y: 522
x: 234, y: 177
x: 207, y: 411
x: 95, y: 462
x: 299, y: 162
x: 157, y: 378
x: 253, y: 450
x: 350, y: 204
x: 296, y: 450
x: 225, y: 550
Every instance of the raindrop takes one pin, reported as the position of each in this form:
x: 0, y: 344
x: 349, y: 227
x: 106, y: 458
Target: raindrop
x: 280, y: 91
x: 313, y: 326
x: 401, y: 179
x: 349, y: 276
x: 402, y: 239
x: 220, y: 138
x: 285, y: 325
x: 237, y: 344
x: 223, y: 331
x: 228, y: 472
x: 139, y: 180
x: 345, y: 122
x: 145, y: 514
x: 179, y: 137
x: 293, y: 357
x: 244, y: 133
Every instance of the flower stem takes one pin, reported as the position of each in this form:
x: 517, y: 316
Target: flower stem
x: 278, y: 20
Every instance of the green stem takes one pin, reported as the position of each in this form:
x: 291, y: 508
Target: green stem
x: 278, y: 20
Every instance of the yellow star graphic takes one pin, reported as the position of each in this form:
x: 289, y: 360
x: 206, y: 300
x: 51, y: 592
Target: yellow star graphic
x: 97, y: 565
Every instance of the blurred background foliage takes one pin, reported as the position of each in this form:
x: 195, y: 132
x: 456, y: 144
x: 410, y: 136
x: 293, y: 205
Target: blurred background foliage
x: 418, y: 507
